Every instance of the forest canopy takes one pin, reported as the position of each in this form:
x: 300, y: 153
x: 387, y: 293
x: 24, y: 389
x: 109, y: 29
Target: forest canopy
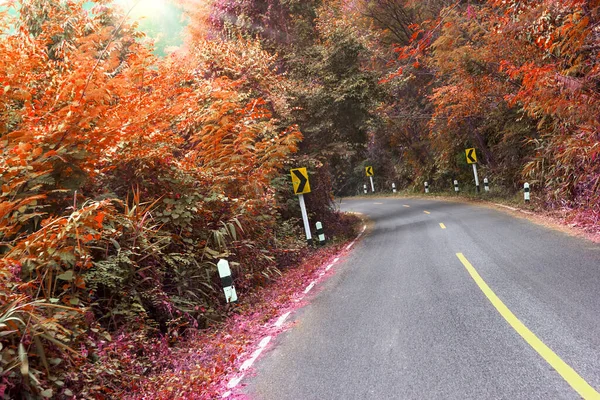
x: 133, y: 158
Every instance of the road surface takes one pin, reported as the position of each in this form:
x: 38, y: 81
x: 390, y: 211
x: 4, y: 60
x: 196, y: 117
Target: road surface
x: 443, y: 300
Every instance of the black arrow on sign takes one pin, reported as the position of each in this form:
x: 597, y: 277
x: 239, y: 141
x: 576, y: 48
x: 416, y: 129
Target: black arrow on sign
x: 370, y: 171
x: 470, y: 156
x: 303, y: 181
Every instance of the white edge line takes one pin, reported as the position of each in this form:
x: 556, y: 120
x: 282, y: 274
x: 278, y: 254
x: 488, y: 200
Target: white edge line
x: 354, y: 241
x: 261, y: 346
x: 282, y: 319
x: 312, y: 284
x: 263, y: 343
x: 235, y: 381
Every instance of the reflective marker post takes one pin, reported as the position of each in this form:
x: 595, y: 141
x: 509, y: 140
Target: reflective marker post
x: 456, y: 189
x: 394, y: 187
x: 320, y: 233
x: 426, y: 187
x: 486, y: 184
x: 526, y: 192
x: 365, y: 186
x: 227, y: 281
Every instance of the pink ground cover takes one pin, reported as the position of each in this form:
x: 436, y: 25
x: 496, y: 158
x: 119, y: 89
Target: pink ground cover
x: 202, y: 364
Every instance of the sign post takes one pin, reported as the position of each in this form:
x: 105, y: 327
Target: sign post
x: 472, y: 159
x: 370, y: 173
x: 302, y: 186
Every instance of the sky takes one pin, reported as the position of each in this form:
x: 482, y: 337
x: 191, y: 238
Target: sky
x: 159, y: 19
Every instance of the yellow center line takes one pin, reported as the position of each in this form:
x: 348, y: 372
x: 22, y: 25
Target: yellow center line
x: 406, y: 206
x: 377, y: 203
x: 426, y: 212
x: 442, y: 226
x: 577, y: 382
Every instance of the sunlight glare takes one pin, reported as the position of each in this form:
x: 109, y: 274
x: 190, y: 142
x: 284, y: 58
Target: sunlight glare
x: 144, y: 8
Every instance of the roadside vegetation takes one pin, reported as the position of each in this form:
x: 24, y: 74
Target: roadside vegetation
x: 126, y: 176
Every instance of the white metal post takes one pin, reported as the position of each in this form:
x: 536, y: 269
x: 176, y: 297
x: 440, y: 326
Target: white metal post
x: 372, y: 185
x: 526, y: 192
x: 365, y: 187
x: 476, y: 178
x: 426, y: 187
x: 305, y: 218
x: 486, y: 184
x: 456, y: 189
x: 394, y: 187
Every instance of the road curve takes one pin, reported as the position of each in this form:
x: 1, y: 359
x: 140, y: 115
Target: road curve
x: 404, y: 317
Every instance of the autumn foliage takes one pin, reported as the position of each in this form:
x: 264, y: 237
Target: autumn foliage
x: 124, y: 177
x: 518, y: 80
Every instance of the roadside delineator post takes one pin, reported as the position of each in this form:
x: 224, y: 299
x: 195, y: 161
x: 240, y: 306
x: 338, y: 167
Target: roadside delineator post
x: 227, y: 281
x: 394, y: 187
x: 426, y: 187
x: 320, y: 233
x: 365, y: 187
x: 526, y: 192
x: 486, y: 184
x: 456, y: 189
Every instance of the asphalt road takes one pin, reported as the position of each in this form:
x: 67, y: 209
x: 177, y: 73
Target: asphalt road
x: 404, y: 318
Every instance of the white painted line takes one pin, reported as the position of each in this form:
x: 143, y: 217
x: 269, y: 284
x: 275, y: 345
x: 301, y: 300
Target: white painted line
x: 282, y: 319
x: 263, y: 343
x: 354, y: 241
x: 309, y: 287
x: 226, y: 394
x: 235, y: 381
x: 336, y: 260
x: 261, y: 346
x: 327, y: 268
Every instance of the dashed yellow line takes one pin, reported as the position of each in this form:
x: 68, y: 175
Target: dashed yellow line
x: 577, y: 382
x: 442, y: 226
x: 426, y: 212
x: 404, y: 205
